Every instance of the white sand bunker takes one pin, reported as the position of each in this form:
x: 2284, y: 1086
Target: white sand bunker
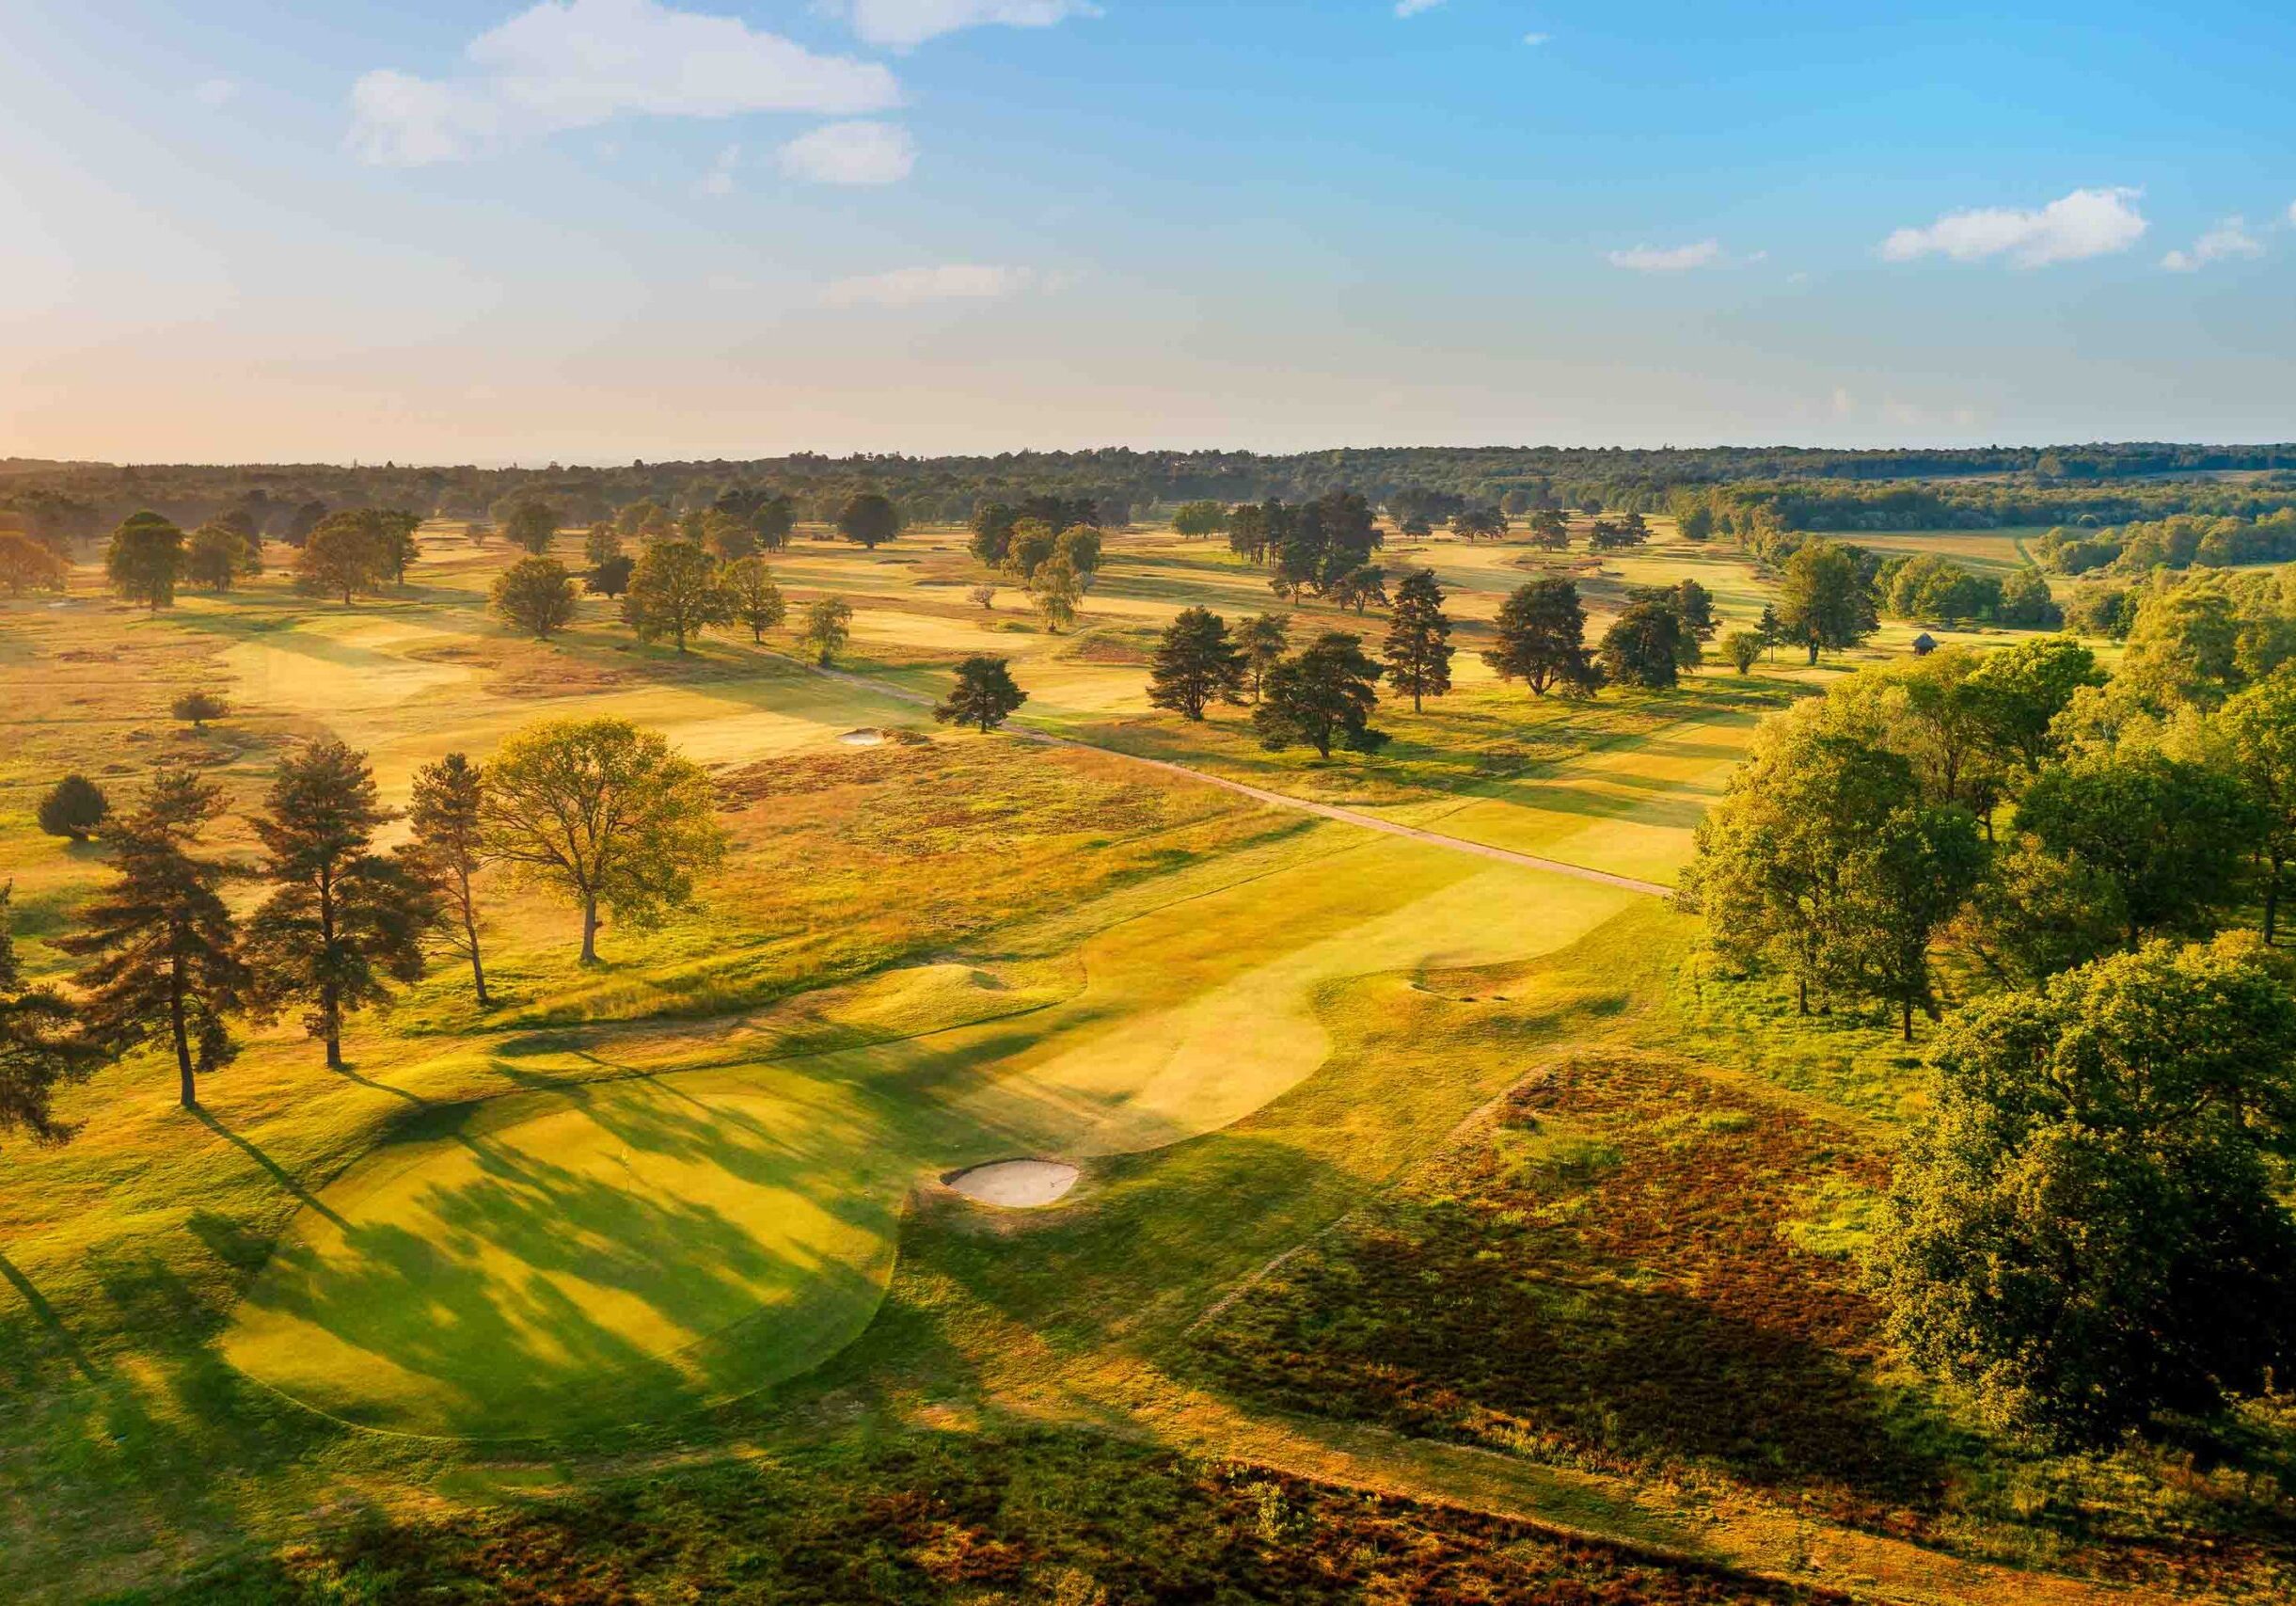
x: 1017, y: 1185
x: 863, y: 738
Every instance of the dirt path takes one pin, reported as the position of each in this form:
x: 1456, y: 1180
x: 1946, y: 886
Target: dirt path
x: 1279, y: 800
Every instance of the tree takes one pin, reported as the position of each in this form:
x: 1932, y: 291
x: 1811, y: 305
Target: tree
x: 342, y: 922
x: 829, y: 625
x: 985, y: 595
x: 532, y: 525
x: 1742, y: 649
x: 196, y: 707
x: 301, y: 522
x: 1695, y: 603
x: 2019, y: 690
x: 604, y: 814
x: 345, y: 555
x: 2084, y: 1228
x: 613, y: 576
x: 1193, y: 520
x: 39, y: 1047
x: 1645, y: 646
x: 984, y: 695
x: 145, y: 561
x: 1541, y: 639
x: 2166, y: 835
x: 536, y: 595
x: 75, y: 806
x: 675, y: 592
x: 162, y: 958
x: 1324, y: 694
x: 1479, y: 523
x: 756, y: 600
x: 1910, y: 874
x: 870, y: 520
x: 1079, y: 548
x: 215, y: 557
x: 1549, y: 530
x: 1822, y: 604
x: 1360, y: 587
x: 1057, y: 591
x: 395, y: 540
x: 1195, y: 664
x: 1262, y: 639
x: 26, y: 564
x: 2259, y: 731
x: 450, y: 850
x: 992, y: 526
x: 1418, y: 645
x: 1029, y: 546
x: 602, y: 546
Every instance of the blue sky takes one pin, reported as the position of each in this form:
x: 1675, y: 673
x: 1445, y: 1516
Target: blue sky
x: 597, y: 230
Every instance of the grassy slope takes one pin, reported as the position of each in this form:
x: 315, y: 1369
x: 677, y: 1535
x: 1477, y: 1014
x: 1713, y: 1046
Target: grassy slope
x: 1141, y: 963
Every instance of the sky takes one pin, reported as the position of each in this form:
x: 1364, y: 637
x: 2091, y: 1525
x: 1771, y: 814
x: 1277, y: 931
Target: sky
x: 594, y: 231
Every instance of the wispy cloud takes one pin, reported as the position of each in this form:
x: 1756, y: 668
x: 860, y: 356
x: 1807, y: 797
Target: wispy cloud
x: 213, y: 92
x: 922, y: 286
x: 719, y: 179
x: 2228, y: 239
x: 1668, y: 258
x: 851, y: 153
x: 901, y: 24
x: 1413, y: 7
x: 578, y: 63
x: 2086, y: 223
x: 1537, y: 39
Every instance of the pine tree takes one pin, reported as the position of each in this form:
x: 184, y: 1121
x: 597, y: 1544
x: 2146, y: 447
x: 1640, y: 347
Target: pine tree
x: 163, y: 960
x: 1419, y: 638
x: 39, y: 1048
x: 1325, y: 694
x: 450, y: 850
x: 1542, y: 634
x: 1195, y: 664
x: 984, y: 694
x: 1262, y: 639
x: 344, y: 922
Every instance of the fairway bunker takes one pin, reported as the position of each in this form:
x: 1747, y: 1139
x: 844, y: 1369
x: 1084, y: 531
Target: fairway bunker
x: 1017, y: 1185
x: 863, y: 738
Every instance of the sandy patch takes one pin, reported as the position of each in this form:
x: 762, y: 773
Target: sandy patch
x: 863, y: 738
x: 1017, y: 1185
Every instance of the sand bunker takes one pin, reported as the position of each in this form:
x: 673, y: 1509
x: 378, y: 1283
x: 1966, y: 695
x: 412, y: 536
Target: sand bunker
x: 863, y: 738
x: 1017, y: 1185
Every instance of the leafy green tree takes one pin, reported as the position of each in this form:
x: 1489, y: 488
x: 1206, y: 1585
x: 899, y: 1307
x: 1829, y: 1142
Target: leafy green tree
x: 869, y: 519
x: 1695, y: 603
x: 1479, y: 524
x: 2019, y: 690
x: 612, y: 578
x: 1262, y: 639
x: 991, y: 527
x: 1742, y: 649
x: 730, y: 538
x: 1030, y: 546
x: 1360, y: 588
x: 1910, y: 876
x: 342, y: 922
x: 2259, y: 731
x: 450, y: 850
x: 532, y: 525
x: 675, y: 592
x: 1419, y: 647
x: 395, y: 537
x: 1822, y: 603
x: 163, y: 956
x: 27, y: 564
x: 1324, y: 694
x: 644, y: 520
x: 984, y: 694
x: 145, y: 561
x: 2168, y: 835
x: 1080, y: 549
x: 302, y: 521
x: 1550, y: 530
x: 829, y: 625
x: 2084, y: 1228
x: 537, y: 596
x: 1196, y: 665
x: 2038, y: 915
x: 602, y: 546
x: 1542, y: 638
x: 1645, y: 646
x: 1193, y: 520
x: 215, y: 557
x: 756, y: 600
x: 196, y: 708
x: 1251, y: 530
x: 1056, y: 591
x: 75, y: 806
x: 344, y: 554
x: 39, y: 1045
x: 604, y: 814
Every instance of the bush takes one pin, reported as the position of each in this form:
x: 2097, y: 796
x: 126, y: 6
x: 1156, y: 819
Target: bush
x: 75, y: 806
x: 197, y: 707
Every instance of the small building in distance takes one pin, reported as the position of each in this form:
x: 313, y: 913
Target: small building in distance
x: 1923, y: 645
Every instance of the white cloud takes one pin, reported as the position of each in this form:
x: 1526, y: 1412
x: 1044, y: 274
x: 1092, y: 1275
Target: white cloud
x: 2229, y: 238
x: 921, y: 286
x: 2086, y: 223
x: 904, y: 22
x: 2292, y: 214
x: 1413, y: 7
x: 578, y: 63
x: 1537, y: 39
x: 215, y: 92
x: 719, y: 179
x: 1672, y: 259
x: 851, y: 153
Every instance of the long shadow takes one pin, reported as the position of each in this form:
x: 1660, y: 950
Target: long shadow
x: 45, y: 1314
x: 278, y: 1173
